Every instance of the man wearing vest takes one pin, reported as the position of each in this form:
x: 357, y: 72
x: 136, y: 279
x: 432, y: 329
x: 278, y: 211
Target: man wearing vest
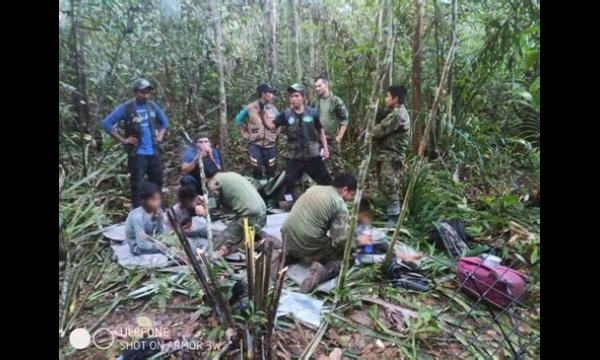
x: 145, y: 126
x: 261, y: 141
x: 304, y: 131
x: 390, y: 144
x: 334, y: 117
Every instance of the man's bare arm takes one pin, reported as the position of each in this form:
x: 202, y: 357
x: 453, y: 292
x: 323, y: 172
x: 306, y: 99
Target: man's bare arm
x: 187, y: 168
x: 160, y: 134
x: 324, y: 144
x: 130, y: 140
x: 341, y: 133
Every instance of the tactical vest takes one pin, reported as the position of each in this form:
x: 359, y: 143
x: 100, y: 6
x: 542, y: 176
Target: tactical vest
x: 132, y: 126
x: 302, y: 135
x: 260, y: 135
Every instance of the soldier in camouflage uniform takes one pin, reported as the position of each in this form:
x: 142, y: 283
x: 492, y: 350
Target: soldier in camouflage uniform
x: 319, y: 210
x: 390, y: 144
x: 238, y: 196
x: 334, y: 118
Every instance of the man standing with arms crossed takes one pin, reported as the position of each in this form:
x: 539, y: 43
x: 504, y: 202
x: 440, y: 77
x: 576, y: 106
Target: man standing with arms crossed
x: 334, y: 118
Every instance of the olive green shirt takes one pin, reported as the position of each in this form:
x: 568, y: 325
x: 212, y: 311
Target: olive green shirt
x: 318, y: 210
x: 236, y: 194
x: 390, y: 136
x: 333, y: 114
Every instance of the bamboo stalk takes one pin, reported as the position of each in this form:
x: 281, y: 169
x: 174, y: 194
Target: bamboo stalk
x: 203, y: 182
x: 274, y: 303
x: 249, y: 260
x: 266, y: 274
x: 219, y: 296
x: 220, y: 306
x: 364, y: 167
x: 258, y: 286
x: 378, y: 76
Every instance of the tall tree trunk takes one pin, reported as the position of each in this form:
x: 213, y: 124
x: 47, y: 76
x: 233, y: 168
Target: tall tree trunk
x: 79, y: 96
x: 293, y: 26
x: 311, y: 38
x: 216, y: 22
x: 391, y: 39
x: 416, y: 73
x: 316, y: 21
x: 438, y: 57
x: 270, y: 31
x: 450, y: 96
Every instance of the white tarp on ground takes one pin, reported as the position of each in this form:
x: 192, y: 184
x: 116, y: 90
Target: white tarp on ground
x: 296, y: 272
x: 116, y: 235
x: 301, y: 307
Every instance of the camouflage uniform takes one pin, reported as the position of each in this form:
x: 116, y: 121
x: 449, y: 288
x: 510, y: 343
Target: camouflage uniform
x: 318, y: 210
x: 333, y: 114
x: 390, y: 143
x: 239, y: 196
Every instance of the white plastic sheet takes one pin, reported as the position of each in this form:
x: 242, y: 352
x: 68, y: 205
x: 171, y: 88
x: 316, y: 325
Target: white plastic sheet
x: 301, y: 306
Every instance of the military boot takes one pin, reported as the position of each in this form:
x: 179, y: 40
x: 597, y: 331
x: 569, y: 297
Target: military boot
x: 319, y: 273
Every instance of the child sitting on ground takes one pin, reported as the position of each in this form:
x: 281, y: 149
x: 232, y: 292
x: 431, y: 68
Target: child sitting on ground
x: 364, y: 231
x: 146, y: 222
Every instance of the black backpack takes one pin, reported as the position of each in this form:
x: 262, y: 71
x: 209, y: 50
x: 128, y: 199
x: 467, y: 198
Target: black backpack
x: 404, y: 274
x: 450, y: 235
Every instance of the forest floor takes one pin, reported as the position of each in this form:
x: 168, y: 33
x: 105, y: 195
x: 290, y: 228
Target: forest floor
x: 372, y: 324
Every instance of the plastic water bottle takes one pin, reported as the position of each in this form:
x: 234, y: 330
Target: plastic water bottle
x: 368, y: 249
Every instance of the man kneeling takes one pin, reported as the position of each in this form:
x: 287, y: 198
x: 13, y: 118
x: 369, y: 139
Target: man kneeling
x: 238, y: 196
x: 319, y: 210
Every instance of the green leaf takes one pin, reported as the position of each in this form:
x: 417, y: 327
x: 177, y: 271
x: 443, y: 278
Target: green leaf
x: 535, y: 255
x: 509, y: 200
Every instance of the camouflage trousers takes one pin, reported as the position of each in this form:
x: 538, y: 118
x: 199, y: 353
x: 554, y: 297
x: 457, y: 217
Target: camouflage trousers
x: 389, y: 177
x: 335, y: 164
x: 234, y: 232
x: 325, y: 254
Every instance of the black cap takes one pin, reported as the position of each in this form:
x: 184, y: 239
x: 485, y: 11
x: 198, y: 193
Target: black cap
x: 264, y: 88
x: 141, y: 84
x: 199, y: 136
x: 296, y: 87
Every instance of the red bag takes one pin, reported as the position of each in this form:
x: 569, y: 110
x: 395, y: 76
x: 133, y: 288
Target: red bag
x: 499, y: 286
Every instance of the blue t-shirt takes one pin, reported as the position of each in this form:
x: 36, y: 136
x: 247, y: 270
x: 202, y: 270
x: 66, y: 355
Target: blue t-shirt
x: 145, y: 141
x: 190, y: 154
